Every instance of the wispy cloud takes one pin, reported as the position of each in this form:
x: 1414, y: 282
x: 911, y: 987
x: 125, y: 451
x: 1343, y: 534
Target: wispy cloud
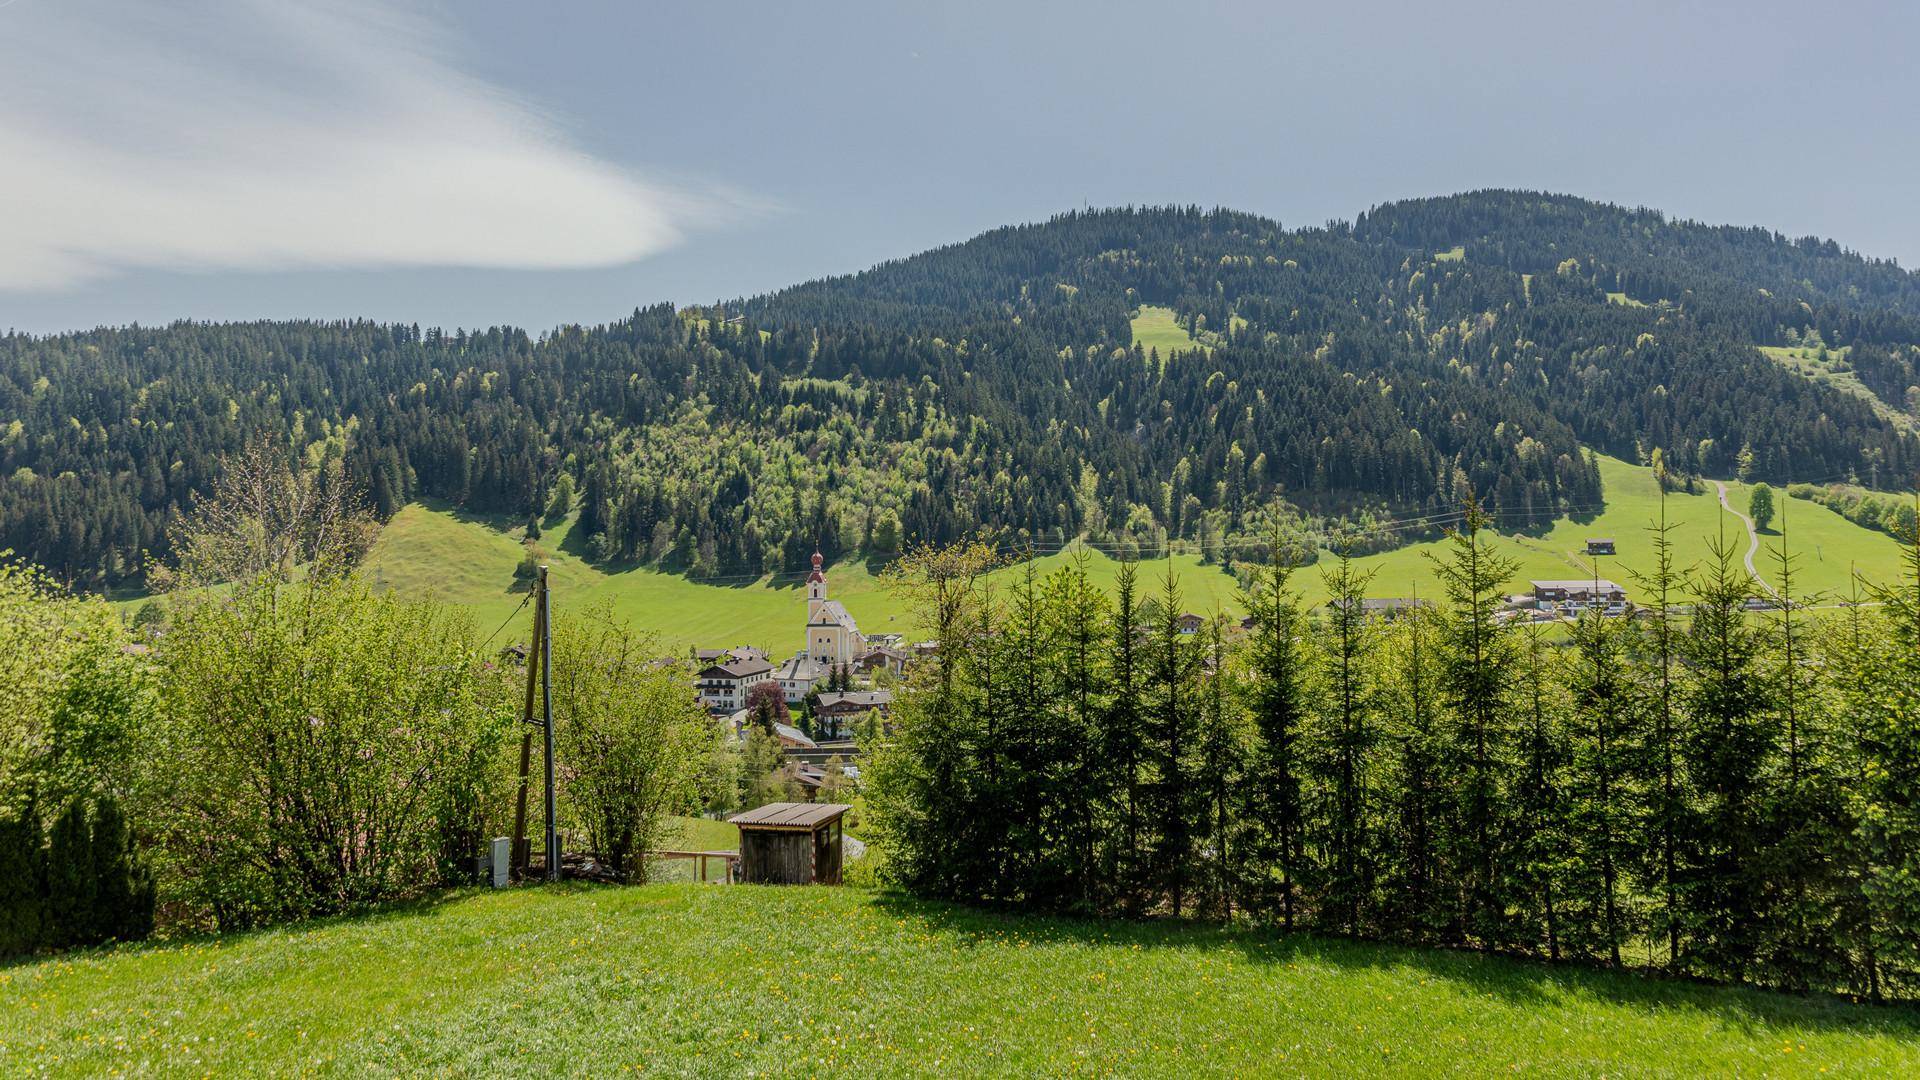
x: 262, y: 133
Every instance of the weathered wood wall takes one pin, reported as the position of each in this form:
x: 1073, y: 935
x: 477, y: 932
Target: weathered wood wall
x: 776, y: 857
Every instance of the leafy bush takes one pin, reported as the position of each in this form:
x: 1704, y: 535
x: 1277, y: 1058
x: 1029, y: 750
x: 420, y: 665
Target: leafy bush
x: 630, y: 736
x: 319, y: 748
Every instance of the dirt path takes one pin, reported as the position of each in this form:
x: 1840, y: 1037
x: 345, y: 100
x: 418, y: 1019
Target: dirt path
x: 1753, y: 540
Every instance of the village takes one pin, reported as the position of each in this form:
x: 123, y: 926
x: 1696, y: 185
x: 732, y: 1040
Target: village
x: 839, y: 685
x: 836, y: 687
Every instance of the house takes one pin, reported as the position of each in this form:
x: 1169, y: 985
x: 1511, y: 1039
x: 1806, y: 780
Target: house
x: 1189, y: 623
x: 1572, y: 595
x: 837, y: 710
x: 724, y: 687
x: 881, y: 658
x: 833, y: 638
x: 797, y: 677
x: 1600, y: 545
x: 888, y: 641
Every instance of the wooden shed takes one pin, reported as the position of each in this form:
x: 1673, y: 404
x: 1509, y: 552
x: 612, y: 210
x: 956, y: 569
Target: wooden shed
x: 787, y: 843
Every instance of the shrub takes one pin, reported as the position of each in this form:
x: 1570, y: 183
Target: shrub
x: 631, y: 739
x: 319, y: 748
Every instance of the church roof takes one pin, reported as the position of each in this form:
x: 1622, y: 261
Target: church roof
x: 833, y: 613
x: 818, y: 574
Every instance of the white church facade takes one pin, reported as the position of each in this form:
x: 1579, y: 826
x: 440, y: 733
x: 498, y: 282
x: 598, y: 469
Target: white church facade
x: 833, y: 638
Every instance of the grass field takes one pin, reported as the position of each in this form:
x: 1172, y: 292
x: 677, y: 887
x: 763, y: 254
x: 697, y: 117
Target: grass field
x: 1155, y: 328
x: 692, y: 980
x: 470, y: 563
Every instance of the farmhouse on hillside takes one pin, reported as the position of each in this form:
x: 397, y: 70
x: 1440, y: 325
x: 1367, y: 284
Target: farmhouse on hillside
x: 1574, y: 595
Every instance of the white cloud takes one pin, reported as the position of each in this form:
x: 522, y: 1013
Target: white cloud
x: 203, y: 134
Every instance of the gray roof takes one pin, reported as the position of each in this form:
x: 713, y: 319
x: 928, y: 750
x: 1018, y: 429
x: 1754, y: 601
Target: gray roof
x: 1577, y: 584
x: 864, y: 698
x: 739, y: 669
x: 801, y: 667
x: 792, y: 734
x: 790, y: 815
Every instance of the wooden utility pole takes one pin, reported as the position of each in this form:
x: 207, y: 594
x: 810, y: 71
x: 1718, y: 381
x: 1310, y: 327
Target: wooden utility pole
x: 546, y: 725
x: 537, y: 653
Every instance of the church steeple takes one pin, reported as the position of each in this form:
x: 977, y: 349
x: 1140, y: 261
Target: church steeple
x: 816, y: 588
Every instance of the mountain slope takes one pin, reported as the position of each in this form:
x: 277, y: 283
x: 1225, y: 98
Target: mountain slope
x: 1351, y: 375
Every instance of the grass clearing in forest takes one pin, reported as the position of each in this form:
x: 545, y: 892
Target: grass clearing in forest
x: 1155, y: 327
x: 716, y: 980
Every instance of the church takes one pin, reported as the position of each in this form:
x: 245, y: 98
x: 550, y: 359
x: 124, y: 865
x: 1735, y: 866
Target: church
x: 833, y: 638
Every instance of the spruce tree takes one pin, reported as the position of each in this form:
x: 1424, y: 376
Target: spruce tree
x: 1882, y: 696
x: 1171, y: 724
x: 1730, y: 732
x: 1604, y: 791
x: 1278, y: 693
x: 1349, y: 736
x: 1477, y: 670
x: 1659, y: 649
x: 1121, y: 741
x: 1541, y: 855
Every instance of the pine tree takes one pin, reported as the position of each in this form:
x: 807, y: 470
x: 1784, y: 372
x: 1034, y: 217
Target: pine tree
x: 1413, y: 878
x: 1477, y: 668
x: 1170, y: 722
x: 1604, y: 811
x: 1729, y: 735
x: 1349, y: 735
x: 1219, y: 774
x: 1121, y: 741
x: 1541, y: 855
x: 1881, y: 695
x: 1668, y: 807
x: 1279, y: 698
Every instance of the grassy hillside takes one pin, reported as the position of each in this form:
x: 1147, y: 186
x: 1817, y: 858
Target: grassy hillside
x: 711, y: 980
x: 470, y: 562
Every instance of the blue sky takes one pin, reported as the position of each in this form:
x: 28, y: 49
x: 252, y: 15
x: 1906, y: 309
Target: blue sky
x: 490, y: 162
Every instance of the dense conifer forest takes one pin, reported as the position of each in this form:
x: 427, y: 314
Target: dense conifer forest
x: 1356, y: 372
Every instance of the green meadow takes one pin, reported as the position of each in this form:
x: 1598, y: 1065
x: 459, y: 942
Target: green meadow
x: 710, y: 980
x: 1154, y: 328
x: 470, y: 562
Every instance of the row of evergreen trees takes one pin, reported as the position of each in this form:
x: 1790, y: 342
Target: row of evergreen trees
x: 1706, y: 790
x: 75, y: 883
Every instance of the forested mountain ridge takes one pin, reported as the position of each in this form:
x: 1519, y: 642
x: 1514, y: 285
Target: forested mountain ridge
x: 1359, y: 373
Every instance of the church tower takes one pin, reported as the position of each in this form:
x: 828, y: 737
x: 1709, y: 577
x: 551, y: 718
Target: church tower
x: 816, y: 590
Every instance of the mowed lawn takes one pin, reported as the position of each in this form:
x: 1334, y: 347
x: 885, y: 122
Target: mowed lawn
x: 470, y: 563
x: 739, y: 981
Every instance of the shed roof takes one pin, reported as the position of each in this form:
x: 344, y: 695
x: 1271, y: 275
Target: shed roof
x: 790, y: 815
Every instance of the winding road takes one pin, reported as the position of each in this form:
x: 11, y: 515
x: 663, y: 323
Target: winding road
x: 1753, y: 540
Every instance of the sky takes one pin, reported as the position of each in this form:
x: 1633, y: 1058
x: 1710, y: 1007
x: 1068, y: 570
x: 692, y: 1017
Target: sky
x: 484, y: 162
